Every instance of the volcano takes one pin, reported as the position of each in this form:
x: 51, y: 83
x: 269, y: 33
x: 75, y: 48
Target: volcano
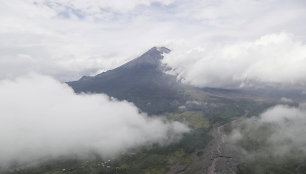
x: 142, y: 81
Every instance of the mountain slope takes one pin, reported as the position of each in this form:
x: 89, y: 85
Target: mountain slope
x: 141, y: 81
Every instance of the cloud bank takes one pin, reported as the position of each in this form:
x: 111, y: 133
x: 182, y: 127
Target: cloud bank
x: 275, y: 59
x: 42, y: 118
x: 277, y: 134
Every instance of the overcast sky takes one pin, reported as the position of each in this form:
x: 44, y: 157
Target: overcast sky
x: 66, y: 39
x: 215, y: 43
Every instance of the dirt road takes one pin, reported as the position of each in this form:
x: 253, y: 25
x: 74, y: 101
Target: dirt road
x: 222, y: 159
x: 216, y: 158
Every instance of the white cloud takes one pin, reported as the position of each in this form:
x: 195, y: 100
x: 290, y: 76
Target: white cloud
x: 67, y: 39
x: 286, y: 100
x: 278, y: 132
x: 275, y: 59
x: 34, y: 38
x: 244, y: 15
x: 42, y: 118
x: 98, y: 7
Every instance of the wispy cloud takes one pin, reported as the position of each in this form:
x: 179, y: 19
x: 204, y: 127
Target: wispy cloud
x: 277, y: 136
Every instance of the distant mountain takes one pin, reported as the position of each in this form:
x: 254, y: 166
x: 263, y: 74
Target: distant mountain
x: 144, y: 82
x: 141, y: 81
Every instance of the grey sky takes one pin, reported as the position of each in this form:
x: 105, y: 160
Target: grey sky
x: 70, y: 38
x: 218, y: 43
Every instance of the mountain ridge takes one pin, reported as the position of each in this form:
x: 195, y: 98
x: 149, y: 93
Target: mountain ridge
x: 141, y: 81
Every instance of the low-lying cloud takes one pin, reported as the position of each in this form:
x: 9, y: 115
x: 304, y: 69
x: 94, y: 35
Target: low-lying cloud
x: 43, y: 118
x: 279, y: 133
x: 275, y: 59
